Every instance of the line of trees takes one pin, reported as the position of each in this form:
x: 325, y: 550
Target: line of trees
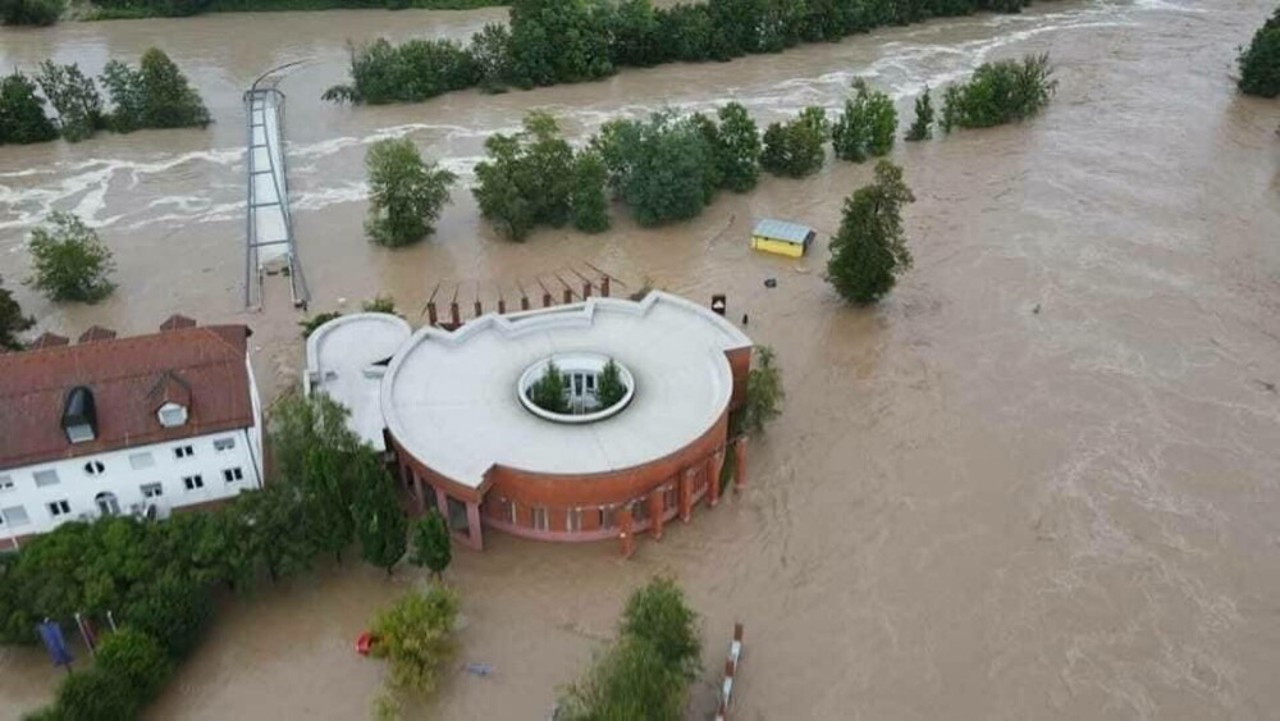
x: 1260, y: 62
x: 644, y: 675
x: 548, y: 42
x: 158, y: 578
x: 48, y: 12
x: 156, y: 94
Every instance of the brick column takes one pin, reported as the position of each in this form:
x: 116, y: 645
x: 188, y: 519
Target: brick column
x: 431, y: 313
x: 686, y: 493
x: 442, y: 505
x: 474, y: 534
x: 713, y: 481
x: 454, y: 315
x: 604, y: 287
x: 740, y: 465
x: 656, y: 513
x: 626, y: 533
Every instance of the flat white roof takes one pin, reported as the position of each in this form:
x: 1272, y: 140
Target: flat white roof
x: 341, y: 358
x: 450, y: 397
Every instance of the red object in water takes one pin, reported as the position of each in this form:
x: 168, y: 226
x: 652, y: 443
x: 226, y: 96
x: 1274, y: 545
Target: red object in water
x: 363, y: 643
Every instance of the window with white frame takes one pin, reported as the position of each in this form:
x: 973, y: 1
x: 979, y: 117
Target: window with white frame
x: 94, y: 468
x: 151, y: 490
x: 47, y: 477
x: 139, y: 461
x: 6, y: 483
x: 230, y: 475
x: 172, y: 415
x: 183, y: 452
x: 15, y: 516
x: 574, y: 519
x: 540, y: 519
x: 59, y: 508
x: 224, y: 444
x: 193, y: 482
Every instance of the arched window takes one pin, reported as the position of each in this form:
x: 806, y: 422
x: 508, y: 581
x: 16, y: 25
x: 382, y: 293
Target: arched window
x: 107, y: 503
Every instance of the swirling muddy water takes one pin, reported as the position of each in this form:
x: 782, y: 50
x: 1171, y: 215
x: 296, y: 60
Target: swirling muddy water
x: 1038, y: 482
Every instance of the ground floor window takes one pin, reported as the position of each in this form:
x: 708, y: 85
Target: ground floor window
x: 640, y: 509
x: 608, y: 516
x: 193, y: 482
x: 59, y: 508
x: 540, y: 519
x: 573, y: 519
x: 670, y: 497
x: 232, y: 474
x: 151, y: 490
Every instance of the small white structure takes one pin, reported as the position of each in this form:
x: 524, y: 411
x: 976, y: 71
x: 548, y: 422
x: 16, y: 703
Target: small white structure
x: 346, y: 359
x: 139, y: 425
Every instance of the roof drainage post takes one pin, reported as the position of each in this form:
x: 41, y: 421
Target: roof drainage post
x: 657, y: 513
x: 604, y: 287
x: 740, y: 463
x: 431, y: 313
x: 713, y: 481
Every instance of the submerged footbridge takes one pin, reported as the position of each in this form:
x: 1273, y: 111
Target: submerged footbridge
x: 270, y: 247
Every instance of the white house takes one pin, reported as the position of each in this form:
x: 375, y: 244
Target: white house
x: 142, y: 425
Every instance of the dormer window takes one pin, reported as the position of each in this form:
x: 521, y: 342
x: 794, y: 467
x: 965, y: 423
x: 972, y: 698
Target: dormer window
x: 172, y: 415
x: 79, y: 417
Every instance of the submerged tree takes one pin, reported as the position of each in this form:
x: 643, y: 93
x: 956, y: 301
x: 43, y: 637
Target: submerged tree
x: 22, y: 118
x: 416, y: 636
x: 922, y: 128
x: 406, y: 194
x: 1260, y: 62
x: 867, y: 127
x: 870, y: 250
x: 663, y: 168
x: 69, y: 261
x: 12, y: 321
x: 737, y: 149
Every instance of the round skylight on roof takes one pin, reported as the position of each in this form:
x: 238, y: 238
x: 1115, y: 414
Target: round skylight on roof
x: 576, y: 388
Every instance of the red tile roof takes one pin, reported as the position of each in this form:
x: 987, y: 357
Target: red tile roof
x: 127, y: 376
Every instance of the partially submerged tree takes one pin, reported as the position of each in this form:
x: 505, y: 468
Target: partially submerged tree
x: 663, y: 168
x: 738, y: 151
x: 870, y: 250
x: 528, y: 179
x: 868, y: 125
x: 657, y: 613
x: 1001, y: 92
x: 75, y: 97
x: 406, y: 194
x: 922, y: 128
x: 22, y: 118
x: 1260, y: 62
x: 764, y: 393
x: 590, y: 205
x: 157, y: 95
x: 379, y: 521
x: 416, y: 637
x: 432, y: 545
x: 12, y: 321
x: 796, y: 148
x: 70, y: 262
x: 31, y: 12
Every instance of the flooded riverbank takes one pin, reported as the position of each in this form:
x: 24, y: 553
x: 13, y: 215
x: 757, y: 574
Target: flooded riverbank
x: 1039, y: 481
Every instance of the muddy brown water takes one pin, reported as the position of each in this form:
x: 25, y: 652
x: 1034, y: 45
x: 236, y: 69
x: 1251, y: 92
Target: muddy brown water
x: 1038, y: 481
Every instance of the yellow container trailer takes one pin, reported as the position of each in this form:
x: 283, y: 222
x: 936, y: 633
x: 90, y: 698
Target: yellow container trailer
x: 782, y: 238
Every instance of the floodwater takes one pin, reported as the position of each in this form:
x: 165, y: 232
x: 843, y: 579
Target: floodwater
x: 1038, y: 482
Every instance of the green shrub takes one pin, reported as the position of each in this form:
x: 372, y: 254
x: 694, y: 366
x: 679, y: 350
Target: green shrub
x: 1260, y: 62
x: 406, y: 194
x: 737, y: 149
x: 867, y: 127
x: 432, y: 544
x: 658, y: 614
x: 548, y: 393
x: 95, y: 695
x: 416, y: 636
x: 70, y: 262
x: 611, y: 388
x: 22, y: 118
x: 31, y: 12
x: 1000, y: 92
x: 412, y: 72
x: 764, y: 394
x: 590, y: 206
x: 796, y: 148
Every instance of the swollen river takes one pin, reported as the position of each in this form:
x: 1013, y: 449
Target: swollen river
x: 1040, y: 481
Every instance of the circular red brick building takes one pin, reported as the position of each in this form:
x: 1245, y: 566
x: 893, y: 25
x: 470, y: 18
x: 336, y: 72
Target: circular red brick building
x: 467, y: 436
